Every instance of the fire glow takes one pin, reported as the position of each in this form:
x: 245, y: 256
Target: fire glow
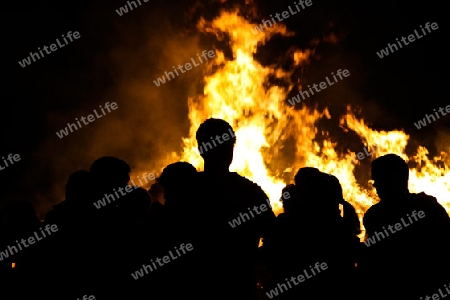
x: 267, y: 128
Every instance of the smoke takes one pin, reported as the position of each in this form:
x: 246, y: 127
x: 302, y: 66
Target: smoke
x: 146, y: 128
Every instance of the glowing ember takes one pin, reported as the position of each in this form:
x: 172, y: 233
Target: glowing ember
x: 273, y: 139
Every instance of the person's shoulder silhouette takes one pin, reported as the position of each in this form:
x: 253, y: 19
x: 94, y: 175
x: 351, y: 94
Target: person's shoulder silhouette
x: 236, y: 210
x: 311, y: 222
x: 390, y: 174
x: 234, y: 193
x: 78, y: 201
x: 420, y: 221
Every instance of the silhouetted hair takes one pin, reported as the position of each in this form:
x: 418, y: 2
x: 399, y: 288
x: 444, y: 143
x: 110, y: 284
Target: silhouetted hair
x: 305, y: 174
x: 177, y: 180
x: 318, y: 191
x: 213, y: 127
x: 390, y: 166
x: 110, y: 172
x: 108, y: 164
x: 176, y: 173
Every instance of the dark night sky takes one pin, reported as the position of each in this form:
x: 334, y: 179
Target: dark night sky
x: 40, y: 99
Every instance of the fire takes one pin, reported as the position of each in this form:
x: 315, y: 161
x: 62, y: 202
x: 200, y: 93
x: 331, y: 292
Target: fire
x: 430, y: 176
x: 273, y: 139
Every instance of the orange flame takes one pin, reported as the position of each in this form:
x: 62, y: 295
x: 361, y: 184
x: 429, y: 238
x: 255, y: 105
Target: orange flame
x: 268, y: 130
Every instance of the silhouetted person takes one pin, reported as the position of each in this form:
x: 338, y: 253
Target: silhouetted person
x: 136, y: 244
x: 311, y: 231
x: 67, y: 257
x: 109, y: 173
x: 271, y: 250
x: 226, y: 248
x: 111, y: 176
x: 307, y: 174
x: 177, y: 179
x: 180, y: 185
x: 78, y: 201
x: 406, y: 254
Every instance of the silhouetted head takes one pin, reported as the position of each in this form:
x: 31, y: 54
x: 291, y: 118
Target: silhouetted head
x: 216, y: 139
x: 307, y: 180
x: 110, y: 172
x: 390, y: 174
x: 177, y: 180
x: 79, y: 187
x: 319, y: 193
x: 289, y: 198
x: 305, y: 174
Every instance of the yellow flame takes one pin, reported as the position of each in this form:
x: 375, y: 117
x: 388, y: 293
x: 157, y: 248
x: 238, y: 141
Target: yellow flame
x: 268, y: 130
x: 430, y: 176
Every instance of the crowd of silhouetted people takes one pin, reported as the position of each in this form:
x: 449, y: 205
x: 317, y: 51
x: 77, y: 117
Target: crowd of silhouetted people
x: 310, y: 251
